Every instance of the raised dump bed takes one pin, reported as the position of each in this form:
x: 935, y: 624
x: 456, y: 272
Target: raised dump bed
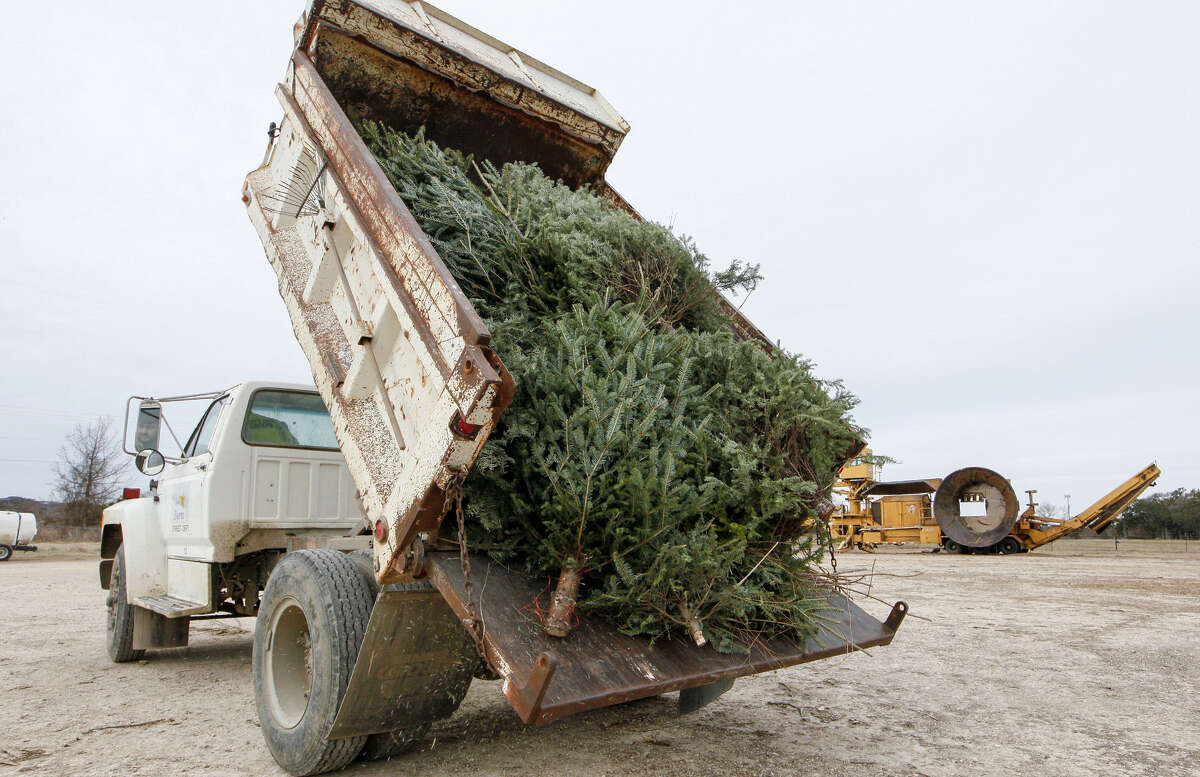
x: 407, y: 368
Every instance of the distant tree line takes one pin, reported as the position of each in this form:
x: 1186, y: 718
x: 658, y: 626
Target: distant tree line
x: 1173, y: 515
x: 48, y: 512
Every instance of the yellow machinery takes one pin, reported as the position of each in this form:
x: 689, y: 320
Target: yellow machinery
x: 877, y: 512
x: 1032, y: 531
x: 973, y: 510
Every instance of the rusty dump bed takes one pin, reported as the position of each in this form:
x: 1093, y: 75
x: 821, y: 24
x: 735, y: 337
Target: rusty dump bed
x: 403, y: 361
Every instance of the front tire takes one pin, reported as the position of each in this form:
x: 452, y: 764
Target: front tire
x: 311, y: 622
x: 120, y: 615
x: 5, y: 552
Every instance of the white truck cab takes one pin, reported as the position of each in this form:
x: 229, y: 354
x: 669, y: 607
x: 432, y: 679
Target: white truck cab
x: 259, y: 475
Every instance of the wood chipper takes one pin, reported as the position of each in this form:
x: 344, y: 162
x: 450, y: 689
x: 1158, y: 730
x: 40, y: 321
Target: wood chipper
x: 971, y: 510
x: 405, y: 367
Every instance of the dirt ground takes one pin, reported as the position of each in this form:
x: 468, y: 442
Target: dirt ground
x: 1076, y: 661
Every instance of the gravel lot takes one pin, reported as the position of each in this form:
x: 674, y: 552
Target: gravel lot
x: 1076, y: 661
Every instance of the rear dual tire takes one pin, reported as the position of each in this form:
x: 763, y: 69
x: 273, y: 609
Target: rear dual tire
x: 311, y: 622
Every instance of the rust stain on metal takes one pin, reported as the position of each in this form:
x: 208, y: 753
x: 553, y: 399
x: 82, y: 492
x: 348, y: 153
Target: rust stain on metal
x: 384, y: 214
x: 407, y: 97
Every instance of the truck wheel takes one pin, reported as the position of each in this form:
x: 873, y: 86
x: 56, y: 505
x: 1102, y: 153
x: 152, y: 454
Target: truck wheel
x: 1008, y: 546
x: 5, y: 552
x: 951, y: 546
x: 364, y: 559
x: 310, y: 625
x: 120, y: 615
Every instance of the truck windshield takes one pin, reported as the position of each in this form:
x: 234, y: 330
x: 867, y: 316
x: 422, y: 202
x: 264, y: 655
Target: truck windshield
x: 288, y: 419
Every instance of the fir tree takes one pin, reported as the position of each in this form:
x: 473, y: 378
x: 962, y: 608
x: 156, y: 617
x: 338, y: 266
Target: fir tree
x: 664, y: 471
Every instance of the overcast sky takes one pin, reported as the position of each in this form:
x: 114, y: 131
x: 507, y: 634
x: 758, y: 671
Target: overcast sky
x: 981, y: 216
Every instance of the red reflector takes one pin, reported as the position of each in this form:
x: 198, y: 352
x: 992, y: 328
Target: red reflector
x: 466, y: 429
x: 131, y: 493
x: 380, y: 531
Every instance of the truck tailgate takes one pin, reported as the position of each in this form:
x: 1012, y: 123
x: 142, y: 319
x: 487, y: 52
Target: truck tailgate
x: 596, y: 666
x: 398, y: 353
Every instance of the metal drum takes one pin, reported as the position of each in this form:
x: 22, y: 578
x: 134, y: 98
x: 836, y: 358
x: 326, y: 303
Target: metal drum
x: 982, y: 528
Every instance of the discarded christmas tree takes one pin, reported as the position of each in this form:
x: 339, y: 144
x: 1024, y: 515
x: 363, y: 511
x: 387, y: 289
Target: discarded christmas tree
x: 663, y: 472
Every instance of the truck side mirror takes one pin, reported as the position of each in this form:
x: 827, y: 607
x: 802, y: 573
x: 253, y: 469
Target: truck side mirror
x: 149, y: 421
x: 149, y: 462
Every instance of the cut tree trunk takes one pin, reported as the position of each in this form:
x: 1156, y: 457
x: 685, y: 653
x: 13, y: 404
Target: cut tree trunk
x: 562, y: 606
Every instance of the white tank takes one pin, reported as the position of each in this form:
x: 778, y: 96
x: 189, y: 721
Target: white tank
x: 17, y: 528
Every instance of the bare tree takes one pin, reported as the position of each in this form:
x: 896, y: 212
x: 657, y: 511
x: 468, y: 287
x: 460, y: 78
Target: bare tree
x: 1049, y: 510
x: 89, y: 467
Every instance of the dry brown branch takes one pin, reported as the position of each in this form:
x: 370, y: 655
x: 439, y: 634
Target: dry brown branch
x: 125, y: 725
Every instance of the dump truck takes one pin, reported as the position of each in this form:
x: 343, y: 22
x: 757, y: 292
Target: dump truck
x: 318, y: 510
x: 17, y: 531
x: 971, y: 510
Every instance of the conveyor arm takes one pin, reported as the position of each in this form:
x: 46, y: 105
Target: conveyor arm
x: 1098, y: 516
x: 1109, y: 508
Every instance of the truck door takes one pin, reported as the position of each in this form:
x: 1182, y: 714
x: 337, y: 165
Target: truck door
x: 182, y: 495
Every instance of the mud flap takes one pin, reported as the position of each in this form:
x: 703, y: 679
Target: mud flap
x: 692, y: 699
x: 413, y: 660
x: 151, y: 630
